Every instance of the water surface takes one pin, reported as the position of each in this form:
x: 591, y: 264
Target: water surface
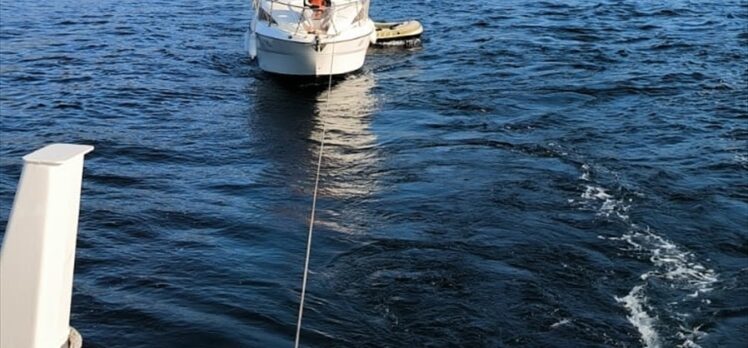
x: 537, y: 174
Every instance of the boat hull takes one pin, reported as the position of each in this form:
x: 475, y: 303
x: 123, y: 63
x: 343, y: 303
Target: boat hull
x: 297, y: 58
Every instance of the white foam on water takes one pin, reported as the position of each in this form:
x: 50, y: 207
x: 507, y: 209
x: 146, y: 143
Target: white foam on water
x: 610, y: 206
x: 671, y: 262
x: 585, y: 172
x: 561, y: 322
x: 676, y: 267
x: 672, y: 265
x: 635, y: 302
x: 689, y: 337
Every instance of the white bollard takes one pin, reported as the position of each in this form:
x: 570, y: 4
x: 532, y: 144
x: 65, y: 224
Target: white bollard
x: 38, y: 251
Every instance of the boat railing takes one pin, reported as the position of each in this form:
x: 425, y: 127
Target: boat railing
x: 327, y: 20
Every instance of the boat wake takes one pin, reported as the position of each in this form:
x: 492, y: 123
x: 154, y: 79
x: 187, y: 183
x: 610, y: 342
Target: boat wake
x: 661, y: 307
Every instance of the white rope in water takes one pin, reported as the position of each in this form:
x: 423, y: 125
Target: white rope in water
x: 314, y: 203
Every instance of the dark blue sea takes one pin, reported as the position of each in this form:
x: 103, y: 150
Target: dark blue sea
x: 536, y: 174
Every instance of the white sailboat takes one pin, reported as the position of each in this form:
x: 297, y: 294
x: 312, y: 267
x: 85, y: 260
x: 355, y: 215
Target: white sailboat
x: 311, y: 37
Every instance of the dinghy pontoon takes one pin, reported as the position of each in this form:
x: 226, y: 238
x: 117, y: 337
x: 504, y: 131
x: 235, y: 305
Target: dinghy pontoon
x: 406, y: 33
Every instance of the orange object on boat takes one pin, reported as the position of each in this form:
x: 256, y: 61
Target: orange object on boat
x: 317, y: 3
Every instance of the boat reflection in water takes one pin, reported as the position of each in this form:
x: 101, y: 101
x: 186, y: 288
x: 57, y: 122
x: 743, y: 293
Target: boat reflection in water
x: 286, y: 127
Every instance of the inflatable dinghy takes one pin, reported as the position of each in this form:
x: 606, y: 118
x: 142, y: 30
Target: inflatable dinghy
x: 406, y: 33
